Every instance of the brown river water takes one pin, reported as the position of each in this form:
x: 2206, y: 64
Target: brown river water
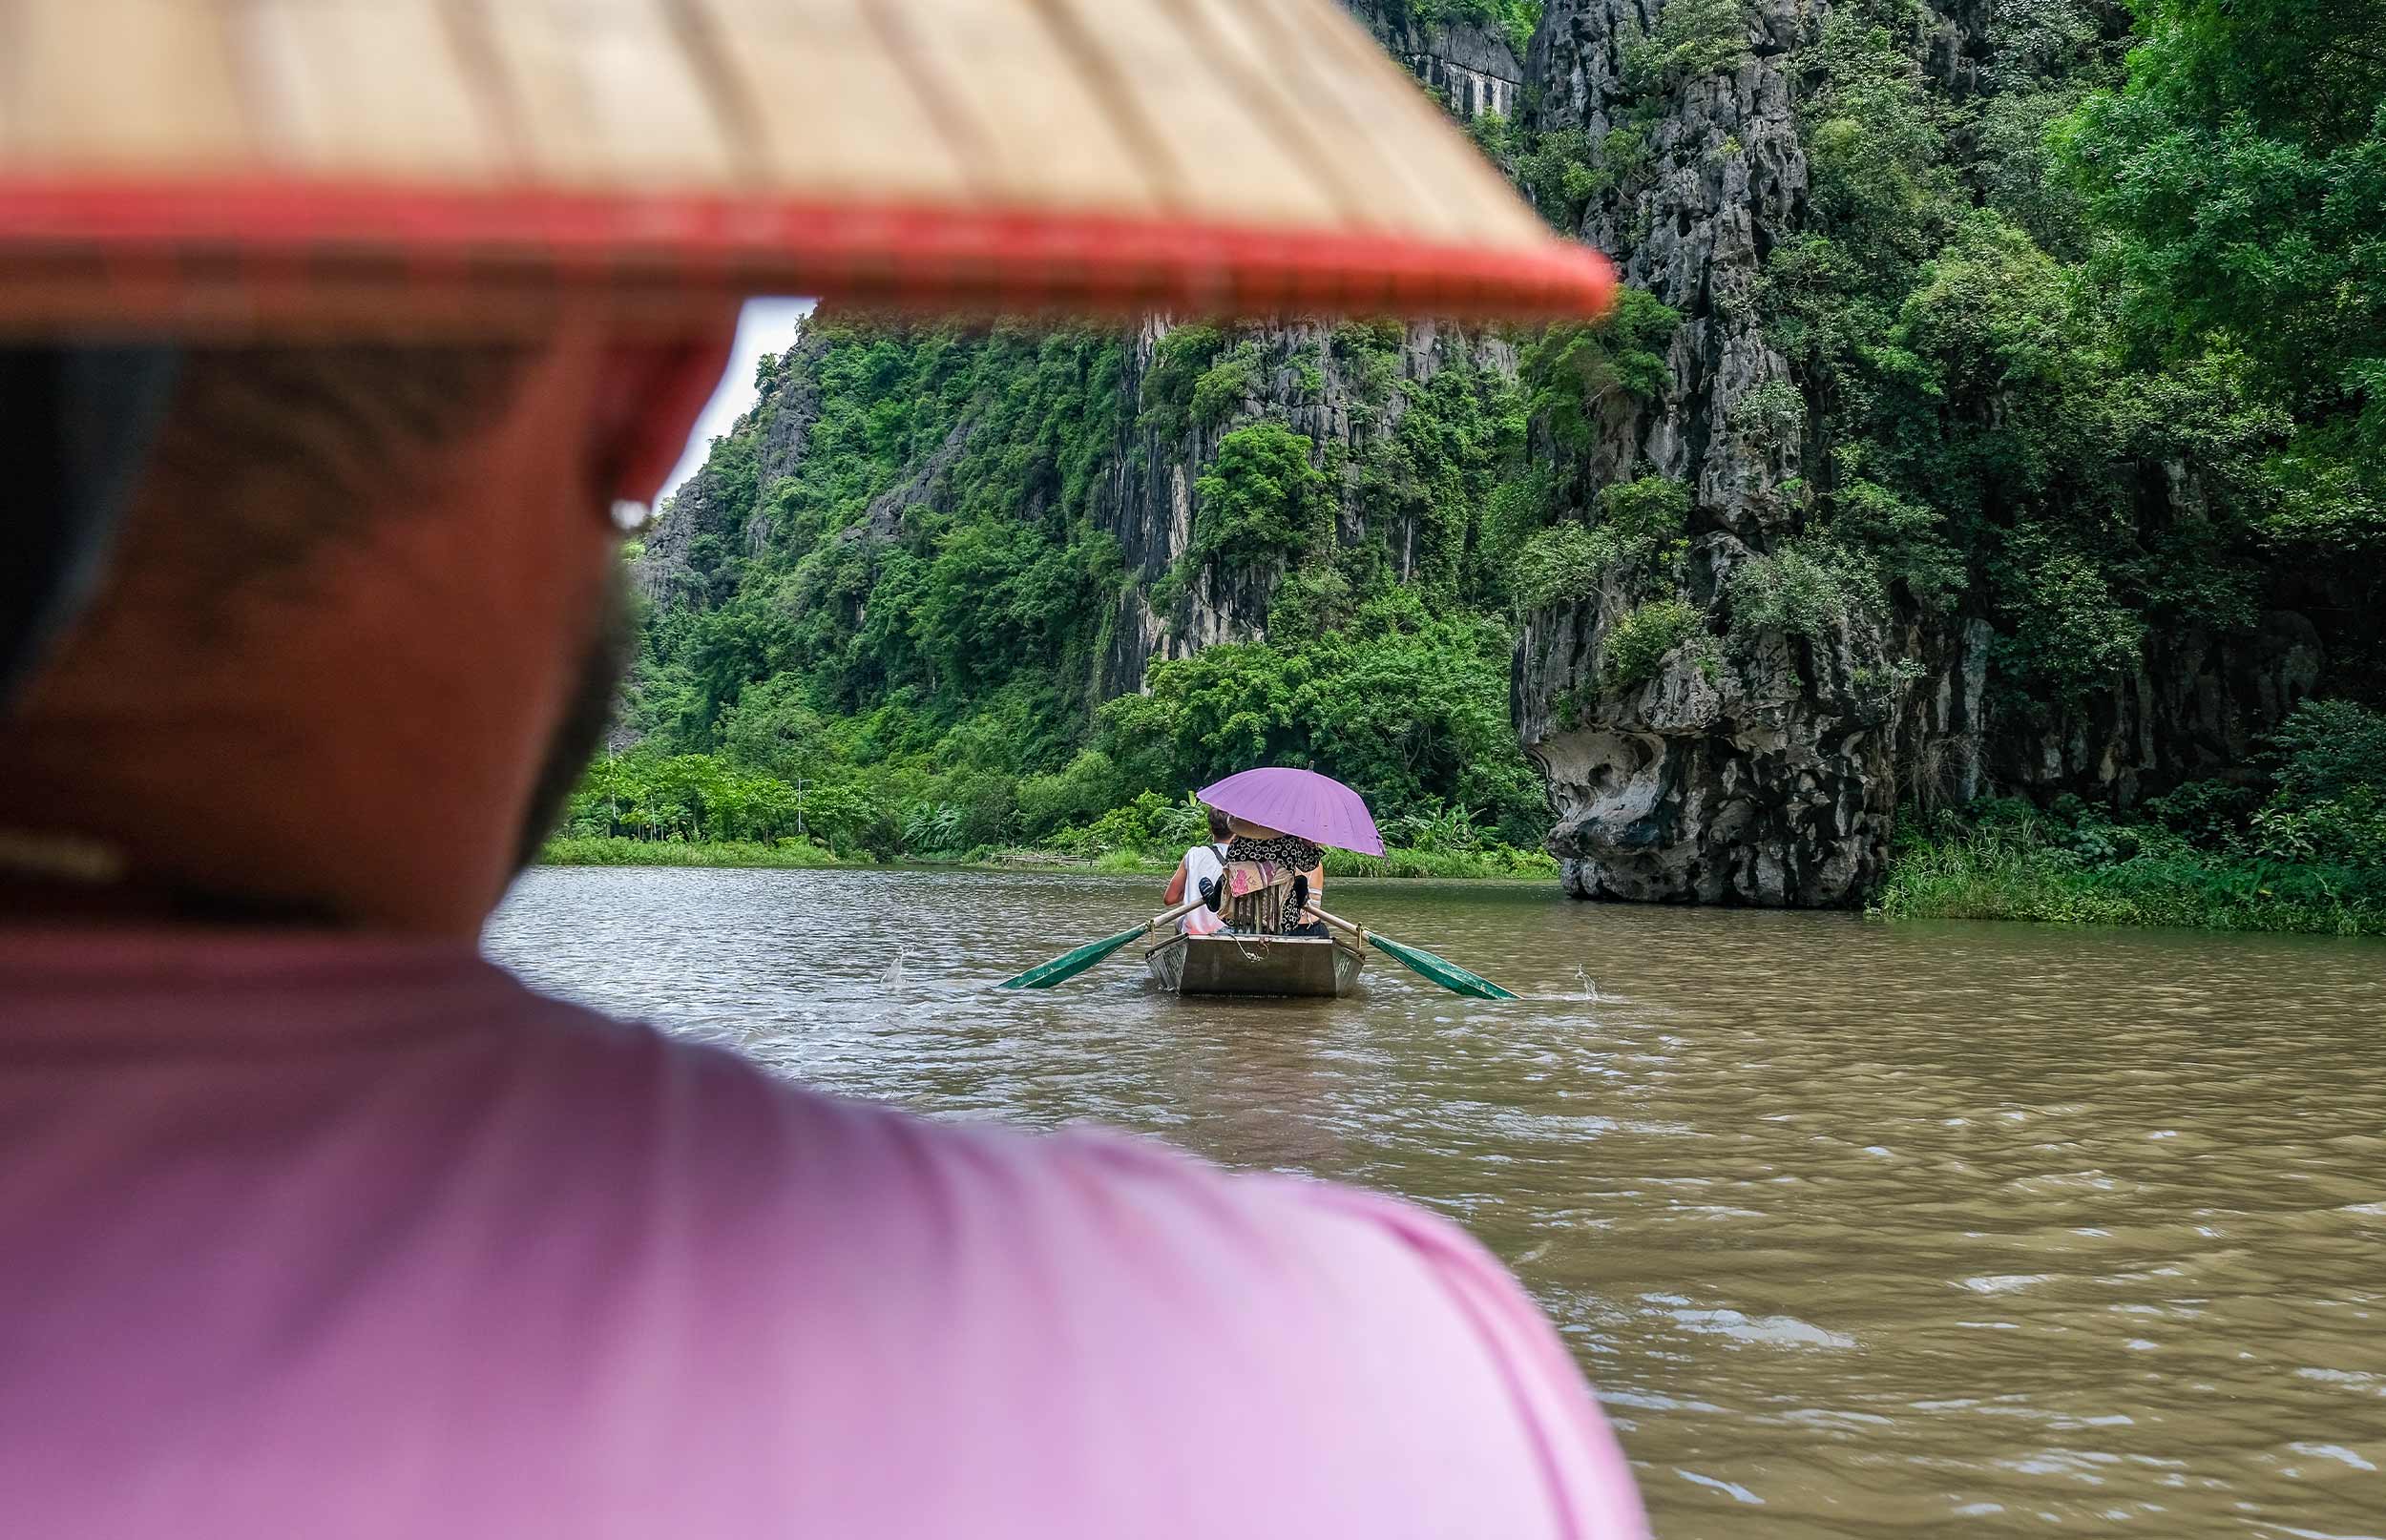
x: 1859, y: 1228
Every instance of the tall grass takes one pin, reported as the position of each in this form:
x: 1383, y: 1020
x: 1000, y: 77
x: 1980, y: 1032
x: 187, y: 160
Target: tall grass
x: 1490, y: 860
x: 1992, y: 874
x: 1493, y: 861
x: 1485, y: 862
x: 600, y: 850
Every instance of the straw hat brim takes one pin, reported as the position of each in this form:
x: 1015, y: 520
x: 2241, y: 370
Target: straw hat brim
x: 297, y: 257
x: 297, y: 167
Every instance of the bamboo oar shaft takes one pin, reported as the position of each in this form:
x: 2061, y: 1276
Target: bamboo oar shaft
x: 1338, y: 923
x: 1177, y: 913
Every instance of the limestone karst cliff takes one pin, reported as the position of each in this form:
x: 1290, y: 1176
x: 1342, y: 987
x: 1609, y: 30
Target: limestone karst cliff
x: 1869, y: 631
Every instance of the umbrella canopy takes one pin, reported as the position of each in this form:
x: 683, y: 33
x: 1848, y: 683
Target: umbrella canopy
x: 1299, y: 802
x: 310, y: 168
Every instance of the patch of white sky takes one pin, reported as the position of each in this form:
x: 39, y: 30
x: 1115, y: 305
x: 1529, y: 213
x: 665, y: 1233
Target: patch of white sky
x: 764, y: 327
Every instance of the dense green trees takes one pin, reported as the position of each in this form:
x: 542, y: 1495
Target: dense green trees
x: 1407, y: 707
x: 2241, y: 182
x: 2064, y: 348
x: 1262, y: 503
x: 907, y: 661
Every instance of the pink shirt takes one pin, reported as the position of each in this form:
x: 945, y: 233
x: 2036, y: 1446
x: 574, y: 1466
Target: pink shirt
x: 329, y: 1238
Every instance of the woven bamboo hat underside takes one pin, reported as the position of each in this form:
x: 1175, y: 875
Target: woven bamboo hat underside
x: 309, y: 167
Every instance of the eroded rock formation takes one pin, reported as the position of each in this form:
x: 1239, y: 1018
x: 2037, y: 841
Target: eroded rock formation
x: 1474, y: 70
x: 1761, y: 776
x: 1306, y: 380
x: 1770, y: 770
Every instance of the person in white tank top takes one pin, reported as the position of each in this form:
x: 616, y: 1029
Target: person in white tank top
x: 1201, y: 864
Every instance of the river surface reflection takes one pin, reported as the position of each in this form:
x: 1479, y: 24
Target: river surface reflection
x: 1860, y: 1229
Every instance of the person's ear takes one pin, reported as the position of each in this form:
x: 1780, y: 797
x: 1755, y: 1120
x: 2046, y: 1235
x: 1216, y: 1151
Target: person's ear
x: 647, y: 404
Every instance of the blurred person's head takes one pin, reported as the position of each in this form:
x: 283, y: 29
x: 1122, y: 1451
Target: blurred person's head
x: 1221, y: 825
x: 358, y: 629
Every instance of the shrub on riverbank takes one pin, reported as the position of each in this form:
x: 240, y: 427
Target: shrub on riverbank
x: 1496, y: 860
x: 650, y: 807
x: 1985, y: 873
x: 597, y: 850
x: 2301, y: 848
x: 1490, y: 861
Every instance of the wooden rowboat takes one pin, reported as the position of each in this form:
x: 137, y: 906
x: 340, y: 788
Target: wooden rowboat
x: 1306, y: 965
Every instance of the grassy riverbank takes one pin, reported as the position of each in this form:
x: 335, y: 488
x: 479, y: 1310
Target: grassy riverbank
x: 598, y: 851
x: 1488, y: 863
x: 1977, y: 878
x: 2298, y: 845
x: 648, y: 809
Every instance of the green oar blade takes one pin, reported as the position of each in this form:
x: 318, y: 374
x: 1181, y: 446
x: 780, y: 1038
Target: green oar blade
x: 1449, y: 975
x: 1069, y: 964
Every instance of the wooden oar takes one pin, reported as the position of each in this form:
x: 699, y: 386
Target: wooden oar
x: 1416, y: 959
x: 1069, y: 964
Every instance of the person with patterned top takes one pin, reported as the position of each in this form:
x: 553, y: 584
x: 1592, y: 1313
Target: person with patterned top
x: 1286, y: 852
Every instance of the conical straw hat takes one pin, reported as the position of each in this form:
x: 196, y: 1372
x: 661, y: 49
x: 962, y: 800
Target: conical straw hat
x: 338, y: 167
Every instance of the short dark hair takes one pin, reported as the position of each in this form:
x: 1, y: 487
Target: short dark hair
x: 266, y: 454
x: 1220, y: 824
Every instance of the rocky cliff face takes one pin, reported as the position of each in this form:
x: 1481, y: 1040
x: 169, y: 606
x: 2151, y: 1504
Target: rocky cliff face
x: 1761, y: 776
x: 716, y: 513
x: 1302, y: 379
x: 1766, y: 768
x: 1474, y: 69
x: 1309, y: 377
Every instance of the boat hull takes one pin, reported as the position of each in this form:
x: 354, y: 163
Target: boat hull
x: 1300, y: 967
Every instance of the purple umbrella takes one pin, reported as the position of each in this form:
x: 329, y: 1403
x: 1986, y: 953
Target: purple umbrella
x: 1299, y: 802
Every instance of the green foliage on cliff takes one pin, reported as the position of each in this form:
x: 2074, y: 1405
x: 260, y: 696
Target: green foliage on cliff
x: 1559, y: 170
x: 1571, y: 373
x: 1179, y: 362
x: 2081, y: 387
x: 1803, y: 588
x: 1637, y: 543
x: 2241, y: 172
x: 1511, y: 20
x: 1261, y: 502
x: 1640, y: 640
x: 2241, y: 178
x: 1692, y: 38
x: 1226, y: 385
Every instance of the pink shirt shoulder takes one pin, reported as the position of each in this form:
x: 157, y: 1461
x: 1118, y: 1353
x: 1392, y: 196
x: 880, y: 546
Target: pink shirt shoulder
x: 365, y: 1241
